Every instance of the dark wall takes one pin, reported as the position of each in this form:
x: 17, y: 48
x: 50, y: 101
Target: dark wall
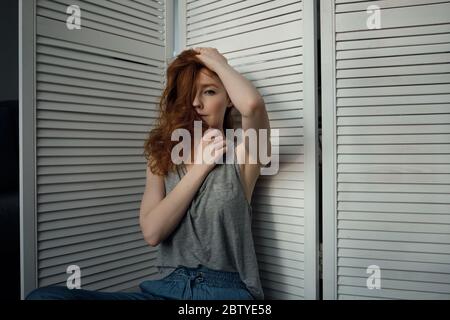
x: 9, y: 53
x: 9, y: 152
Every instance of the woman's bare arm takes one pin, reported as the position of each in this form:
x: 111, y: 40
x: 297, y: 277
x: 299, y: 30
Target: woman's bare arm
x: 160, y: 214
x: 245, y: 97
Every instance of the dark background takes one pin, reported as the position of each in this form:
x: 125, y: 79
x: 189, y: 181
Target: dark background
x: 9, y: 151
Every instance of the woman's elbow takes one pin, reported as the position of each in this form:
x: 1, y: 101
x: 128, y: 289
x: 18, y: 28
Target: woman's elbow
x: 152, y: 242
x: 150, y: 236
x: 151, y: 239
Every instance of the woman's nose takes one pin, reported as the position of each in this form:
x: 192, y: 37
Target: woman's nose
x: 197, y: 108
x: 197, y: 103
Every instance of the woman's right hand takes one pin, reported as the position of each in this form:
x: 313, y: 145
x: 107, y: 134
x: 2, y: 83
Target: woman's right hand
x: 213, y: 147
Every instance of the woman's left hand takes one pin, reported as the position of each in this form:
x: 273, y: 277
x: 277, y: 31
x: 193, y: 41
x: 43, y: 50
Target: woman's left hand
x: 211, y: 57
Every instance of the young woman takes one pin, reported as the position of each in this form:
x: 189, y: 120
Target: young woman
x: 198, y: 212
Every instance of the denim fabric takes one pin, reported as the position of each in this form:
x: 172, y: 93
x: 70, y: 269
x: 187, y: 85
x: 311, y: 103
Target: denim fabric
x: 182, y: 284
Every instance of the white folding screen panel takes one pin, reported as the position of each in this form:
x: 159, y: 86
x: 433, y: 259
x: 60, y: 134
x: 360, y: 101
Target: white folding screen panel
x: 95, y: 95
x: 265, y: 41
x: 386, y: 148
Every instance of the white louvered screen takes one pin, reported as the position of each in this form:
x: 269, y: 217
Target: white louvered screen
x: 263, y: 40
x: 96, y: 97
x: 387, y: 157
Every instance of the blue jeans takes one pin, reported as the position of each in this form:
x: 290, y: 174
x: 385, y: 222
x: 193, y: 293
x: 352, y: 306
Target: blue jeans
x: 182, y: 284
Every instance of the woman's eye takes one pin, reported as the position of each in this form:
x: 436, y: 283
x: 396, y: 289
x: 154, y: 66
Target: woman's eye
x: 209, y: 91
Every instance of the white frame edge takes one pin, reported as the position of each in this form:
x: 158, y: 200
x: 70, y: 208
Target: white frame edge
x: 27, y: 147
x: 169, y: 32
x: 327, y: 23
x: 182, y: 29
x: 311, y: 135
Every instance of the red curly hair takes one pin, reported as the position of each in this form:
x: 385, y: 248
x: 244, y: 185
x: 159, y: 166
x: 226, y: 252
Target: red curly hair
x: 176, y: 111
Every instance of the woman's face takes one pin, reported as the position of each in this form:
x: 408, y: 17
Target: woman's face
x: 211, y: 100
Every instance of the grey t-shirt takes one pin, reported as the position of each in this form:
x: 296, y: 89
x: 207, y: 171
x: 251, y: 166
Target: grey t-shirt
x: 216, y: 229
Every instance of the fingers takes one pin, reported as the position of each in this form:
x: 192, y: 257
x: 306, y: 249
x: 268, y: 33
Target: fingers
x: 212, y: 132
x: 219, y: 143
x: 213, y: 152
x: 208, y: 134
